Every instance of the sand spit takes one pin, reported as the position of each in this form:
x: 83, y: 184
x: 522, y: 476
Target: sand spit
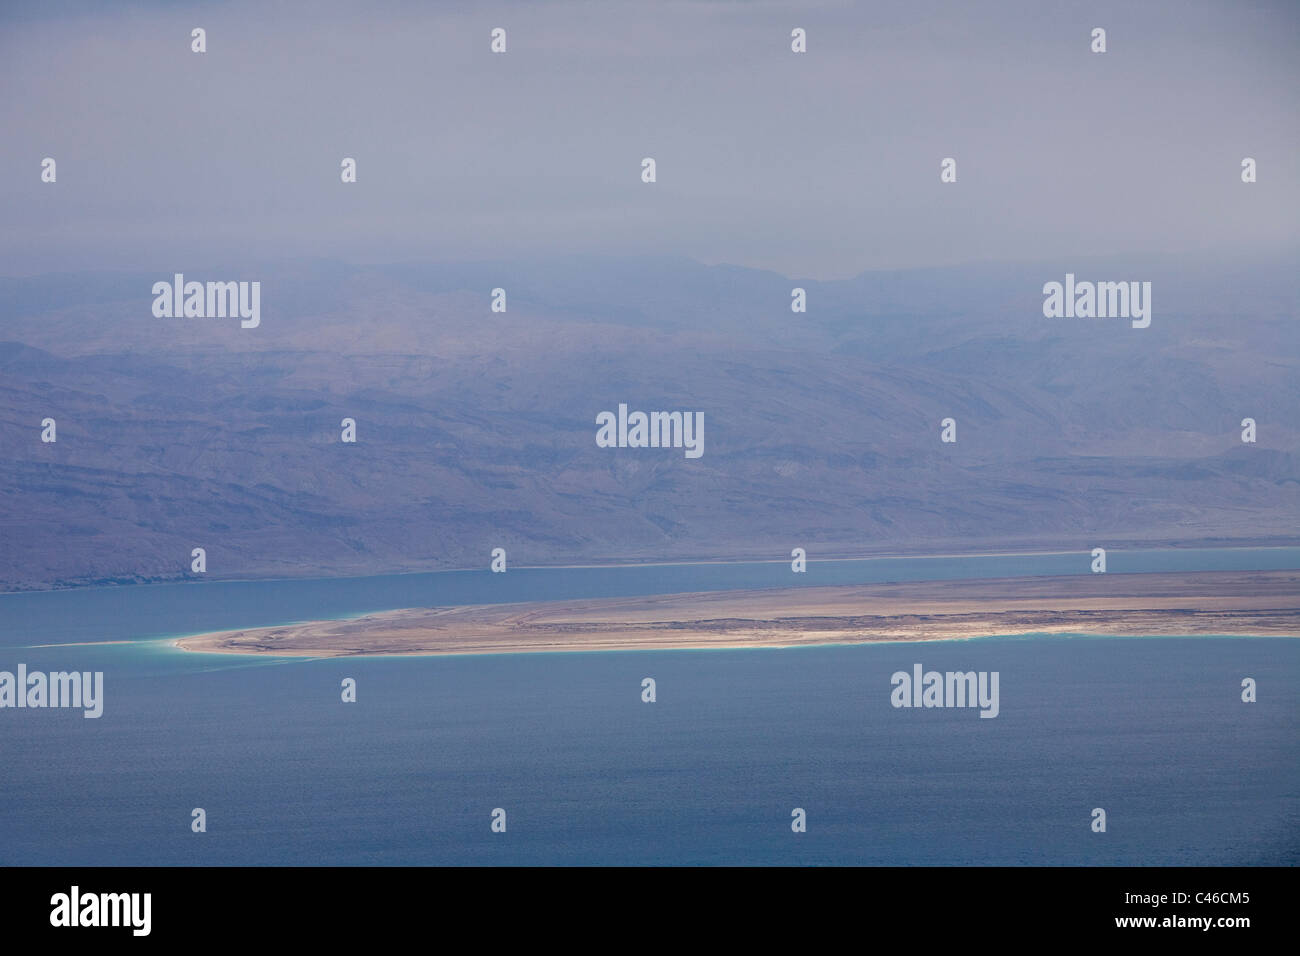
x: 1212, y: 602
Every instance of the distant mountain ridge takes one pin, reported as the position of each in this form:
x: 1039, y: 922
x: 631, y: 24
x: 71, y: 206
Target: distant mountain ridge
x: 477, y: 429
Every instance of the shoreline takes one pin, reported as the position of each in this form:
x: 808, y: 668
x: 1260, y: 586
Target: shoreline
x: 1085, y: 635
x: 1223, y: 603
x: 685, y: 563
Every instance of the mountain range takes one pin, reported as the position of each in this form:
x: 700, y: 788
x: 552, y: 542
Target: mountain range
x: 476, y: 429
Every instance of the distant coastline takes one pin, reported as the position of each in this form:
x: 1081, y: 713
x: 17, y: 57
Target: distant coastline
x: 1247, y: 603
x: 1278, y: 543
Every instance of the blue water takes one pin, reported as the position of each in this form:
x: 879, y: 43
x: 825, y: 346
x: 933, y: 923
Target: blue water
x: 131, y: 613
x: 1153, y: 730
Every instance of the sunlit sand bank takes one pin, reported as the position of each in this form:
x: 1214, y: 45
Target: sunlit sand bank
x: 1236, y: 602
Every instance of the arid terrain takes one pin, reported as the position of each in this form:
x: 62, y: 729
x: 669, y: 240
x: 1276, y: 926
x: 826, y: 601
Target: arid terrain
x: 477, y: 430
x: 1244, y: 603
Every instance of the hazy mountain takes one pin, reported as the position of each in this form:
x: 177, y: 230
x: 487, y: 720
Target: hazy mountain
x: 477, y: 429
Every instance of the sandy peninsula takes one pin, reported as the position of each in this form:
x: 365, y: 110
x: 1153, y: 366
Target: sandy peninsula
x: 1214, y: 602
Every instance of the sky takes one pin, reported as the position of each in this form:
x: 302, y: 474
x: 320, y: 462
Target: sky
x: 823, y: 164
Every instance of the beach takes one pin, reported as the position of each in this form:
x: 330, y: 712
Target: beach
x: 1248, y: 603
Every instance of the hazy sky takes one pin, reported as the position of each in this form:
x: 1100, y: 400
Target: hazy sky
x: 821, y: 165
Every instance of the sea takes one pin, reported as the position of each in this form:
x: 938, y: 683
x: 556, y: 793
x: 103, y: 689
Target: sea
x: 563, y: 749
